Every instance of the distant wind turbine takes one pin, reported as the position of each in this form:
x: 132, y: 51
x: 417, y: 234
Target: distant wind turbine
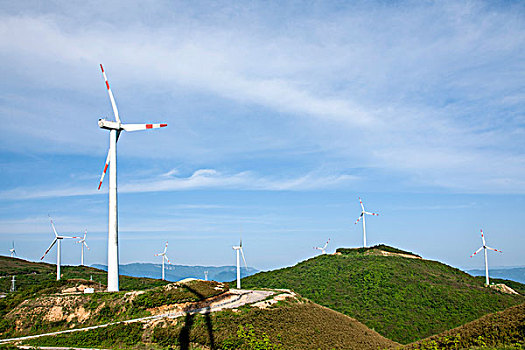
x: 115, y: 128
x: 12, y: 250
x: 205, y: 275
x: 323, y: 248
x: 164, y: 257
x: 484, y: 247
x: 82, y: 244
x: 58, y: 238
x: 239, y: 249
x: 362, y: 216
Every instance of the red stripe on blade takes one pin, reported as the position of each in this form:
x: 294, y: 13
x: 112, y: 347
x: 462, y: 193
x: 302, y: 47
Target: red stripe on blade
x: 107, y: 84
x: 163, y: 125
x: 102, y: 68
x: 149, y: 126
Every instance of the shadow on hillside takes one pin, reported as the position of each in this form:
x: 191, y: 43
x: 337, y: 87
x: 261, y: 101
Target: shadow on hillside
x: 185, y: 333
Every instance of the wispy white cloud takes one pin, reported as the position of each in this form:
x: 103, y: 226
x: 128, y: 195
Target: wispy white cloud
x: 200, y: 179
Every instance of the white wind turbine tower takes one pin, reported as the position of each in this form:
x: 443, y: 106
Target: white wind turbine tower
x: 205, y: 275
x: 239, y: 249
x: 164, y: 257
x: 82, y: 244
x: 484, y: 247
x: 323, y: 248
x: 362, y: 216
x: 12, y: 250
x: 58, y: 238
x: 115, y: 128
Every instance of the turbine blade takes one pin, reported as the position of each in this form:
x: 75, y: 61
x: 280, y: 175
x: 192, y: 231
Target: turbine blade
x: 137, y: 127
x: 53, y: 226
x: 105, y: 169
x: 166, y: 247
x: 48, y: 249
x: 483, y: 237
x: 499, y: 251
x: 113, y: 104
x: 326, y: 244
x: 476, y: 252
x: 86, y: 244
x: 371, y: 213
x: 361, y: 202
x: 68, y: 237
x: 243, y: 259
x: 359, y: 218
x: 167, y: 259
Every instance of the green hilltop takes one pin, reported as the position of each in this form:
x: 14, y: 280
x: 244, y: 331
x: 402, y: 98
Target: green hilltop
x: 396, y: 293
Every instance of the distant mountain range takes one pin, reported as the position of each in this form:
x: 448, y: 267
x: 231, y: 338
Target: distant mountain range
x: 512, y: 273
x: 178, y: 272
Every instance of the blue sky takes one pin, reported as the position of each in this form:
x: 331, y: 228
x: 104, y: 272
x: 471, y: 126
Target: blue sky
x: 279, y: 117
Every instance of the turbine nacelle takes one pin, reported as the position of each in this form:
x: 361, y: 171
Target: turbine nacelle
x: 108, y: 124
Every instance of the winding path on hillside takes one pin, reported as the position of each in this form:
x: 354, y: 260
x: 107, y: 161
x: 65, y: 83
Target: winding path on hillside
x: 238, y: 297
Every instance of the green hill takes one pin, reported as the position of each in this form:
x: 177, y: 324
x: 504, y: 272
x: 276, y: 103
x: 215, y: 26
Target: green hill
x: 404, y: 298
x: 37, y: 281
x: 501, y: 329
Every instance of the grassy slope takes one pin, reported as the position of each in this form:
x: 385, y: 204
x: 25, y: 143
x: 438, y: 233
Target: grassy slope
x: 403, y: 299
x: 44, y: 312
x: 36, y: 284
x: 289, y: 325
x: 497, y: 329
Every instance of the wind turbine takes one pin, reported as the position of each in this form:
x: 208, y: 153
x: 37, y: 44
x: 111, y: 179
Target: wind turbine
x: 239, y: 249
x: 164, y: 257
x: 82, y: 244
x: 12, y: 250
x: 484, y: 247
x: 59, y: 240
x: 205, y: 275
x: 115, y: 128
x: 323, y: 248
x: 362, y: 216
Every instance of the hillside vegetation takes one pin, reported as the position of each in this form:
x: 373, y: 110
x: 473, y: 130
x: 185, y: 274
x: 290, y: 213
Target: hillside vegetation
x: 404, y: 299
x: 504, y: 328
x: 57, y: 308
x: 291, y: 324
x: 42, y: 304
x: 30, y: 275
